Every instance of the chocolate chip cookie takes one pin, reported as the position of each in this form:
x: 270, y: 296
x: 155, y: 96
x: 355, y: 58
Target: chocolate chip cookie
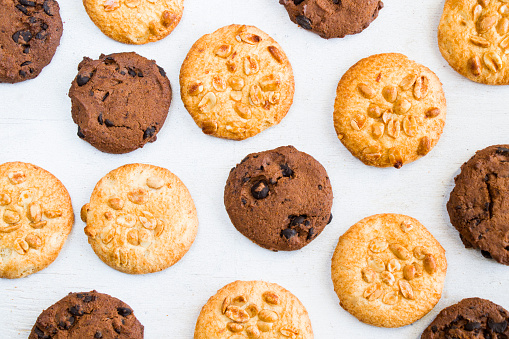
x: 119, y: 102
x: 479, y: 203
x: 333, y: 18
x: 30, y: 32
x: 88, y: 315
x: 470, y: 318
x: 281, y: 199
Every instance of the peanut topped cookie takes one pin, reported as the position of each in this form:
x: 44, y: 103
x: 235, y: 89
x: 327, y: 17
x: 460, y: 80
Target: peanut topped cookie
x: 140, y: 219
x: 388, y: 270
x: 236, y: 82
x: 135, y: 21
x: 473, y: 36
x: 36, y: 217
x: 389, y: 110
x: 253, y: 309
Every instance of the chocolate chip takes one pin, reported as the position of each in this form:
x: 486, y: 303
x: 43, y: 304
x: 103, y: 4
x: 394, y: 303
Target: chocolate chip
x: 260, y: 189
x: 25, y: 35
x: 140, y: 74
x: 503, y: 151
x: 297, y: 220
x: 46, y: 8
x: 40, y: 333
x: 131, y: 72
x: 311, y: 233
x: 434, y: 329
x: 22, y: 73
x: 303, y: 22
x: 330, y: 219
x: 82, y: 79
x: 106, y: 96
x: 26, y: 63
x: 245, y: 179
x: 100, y: 119
x: 44, y: 26
x: 244, y: 201
x: 65, y: 325
x: 298, y: 2
x: 85, y: 297
x: 80, y: 133
x: 122, y: 72
x: 40, y: 36
x: 32, y: 20
x: 149, y: 132
x: 161, y: 70
x: 124, y: 311
x: 337, y: 2
x: 486, y: 254
x: 23, y: 9
x: 497, y: 327
x: 76, y: 311
x: 472, y: 325
x: 288, y: 233
x: 108, y: 123
x: 27, y: 3
x: 287, y: 171
x: 26, y: 49
x: 98, y: 335
x: 320, y: 187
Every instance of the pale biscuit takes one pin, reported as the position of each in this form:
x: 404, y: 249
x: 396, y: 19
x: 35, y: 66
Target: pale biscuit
x: 135, y: 21
x: 253, y: 309
x: 388, y: 270
x: 473, y: 36
x: 236, y: 82
x: 140, y: 219
x: 389, y: 110
x: 36, y: 218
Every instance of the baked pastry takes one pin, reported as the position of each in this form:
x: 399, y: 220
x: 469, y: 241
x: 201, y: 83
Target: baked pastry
x: 30, y: 32
x: 253, y: 309
x: 389, y: 110
x: 36, y: 218
x: 479, y: 203
x: 140, y: 219
x: 333, y: 18
x: 119, y: 102
x: 236, y: 82
x: 280, y: 199
x: 388, y: 270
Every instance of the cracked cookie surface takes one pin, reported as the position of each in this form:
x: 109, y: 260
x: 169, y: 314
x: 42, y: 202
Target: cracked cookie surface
x: 119, y: 102
x: 470, y: 318
x: 479, y: 203
x: 87, y: 315
x: 280, y: 199
x: 30, y: 32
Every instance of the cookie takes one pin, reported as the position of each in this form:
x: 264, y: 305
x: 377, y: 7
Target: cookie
x: 140, y: 219
x: 30, y: 32
x: 253, y: 309
x: 478, y: 205
x: 135, y: 21
x: 388, y: 270
x: 333, y: 18
x: 280, y: 199
x: 470, y: 318
x: 119, y: 102
x: 473, y: 37
x: 236, y: 82
x: 389, y: 110
x: 36, y: 218
x: 88, y: 315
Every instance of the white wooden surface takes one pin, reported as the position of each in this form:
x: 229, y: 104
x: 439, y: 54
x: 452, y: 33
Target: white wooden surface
x: 36, y: 127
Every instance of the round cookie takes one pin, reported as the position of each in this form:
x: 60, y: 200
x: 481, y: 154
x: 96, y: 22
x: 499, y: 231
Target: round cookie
x: 87, y: 315
x: 333, y: 18
x: 236, y: 82
x: 36, y: 218
x: 389, y: 110
x: 30, y: 32
x: 254, y: 309
x: 280, y: 199
x: 135, y: 21
x: 479, y: 203
x: 388, y: 270
x: 119, y: 102
x: 140, y: 219
x: 473, y: 37
x: 470, y: 318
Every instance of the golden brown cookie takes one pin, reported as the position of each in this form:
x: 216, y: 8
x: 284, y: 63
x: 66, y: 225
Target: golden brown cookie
x: 473, y: 37
x: 36, y: 217
x: 253, y: 309
x: 388, y: 270
x: 236, y: 82
x: 140, y: 219
x: 135, y: 21
x: 389, y: 110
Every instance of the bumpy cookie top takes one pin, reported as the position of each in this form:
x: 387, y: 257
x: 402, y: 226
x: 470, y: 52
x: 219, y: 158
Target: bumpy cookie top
x: 135, y: 21
x: 473, y: 37
x: 236, y: 82
x: 87, y: 315
x: 140, y: 219
x: 479, y: 203
x: 388, y: 270
x: 389, y: 110
x: 36, y: 217
x: 253, y: 309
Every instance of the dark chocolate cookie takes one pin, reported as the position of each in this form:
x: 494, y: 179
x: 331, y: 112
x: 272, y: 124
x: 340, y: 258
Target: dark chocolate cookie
x: 30, y: 32
x: 333, y: 18
x: 120, y: 101
x: 470, y: 318
x: 281, y: 199
x: 479, y: 203
x: 87, y: 315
